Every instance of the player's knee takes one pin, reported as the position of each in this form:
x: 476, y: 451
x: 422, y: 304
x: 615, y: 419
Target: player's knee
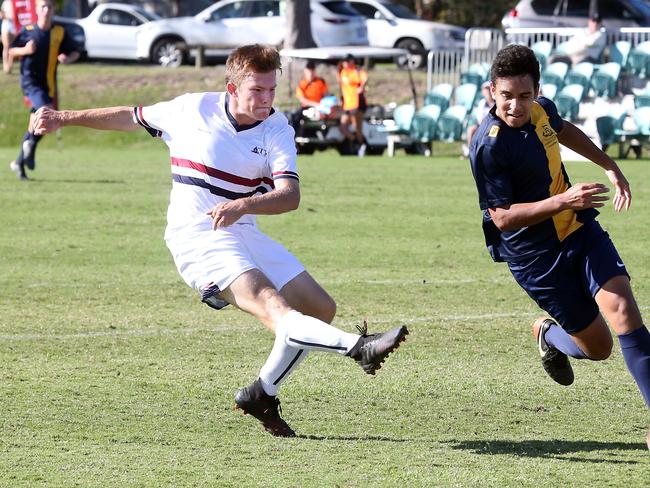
x: 601, y: 350
x: 327, y: 309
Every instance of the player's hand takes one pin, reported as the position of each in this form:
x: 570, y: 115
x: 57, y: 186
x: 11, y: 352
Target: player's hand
x: 63, y: 58
x: 623, y: 197
x: 30, y: 47
x: 585, y: 195
x: 45, y: 120
x: 224, y: 214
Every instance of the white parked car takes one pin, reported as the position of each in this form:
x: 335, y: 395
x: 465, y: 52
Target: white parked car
x: 111, y: 29
x: 231, y: 23
x: 394, y: 25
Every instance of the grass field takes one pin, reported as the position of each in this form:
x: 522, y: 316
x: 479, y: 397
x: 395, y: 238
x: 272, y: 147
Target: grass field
x: 114, y: 374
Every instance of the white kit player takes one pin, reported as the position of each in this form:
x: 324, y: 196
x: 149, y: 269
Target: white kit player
x: 233, y: 157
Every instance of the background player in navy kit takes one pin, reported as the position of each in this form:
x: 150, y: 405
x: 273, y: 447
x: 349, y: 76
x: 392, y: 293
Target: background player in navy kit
x: 42, y: 46
x: 545, y: 228
x: 233, y: 157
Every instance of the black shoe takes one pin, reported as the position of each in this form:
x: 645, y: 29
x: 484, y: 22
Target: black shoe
x: 372, y: 350
x: 555, y: 362
x: 265, y: 408
x: 19, y: 169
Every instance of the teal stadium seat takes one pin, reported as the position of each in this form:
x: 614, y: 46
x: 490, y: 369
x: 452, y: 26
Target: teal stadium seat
x: 424, y: 127
x: 555, y: 73
x: 549, y: 90
x: 638, y: 61
x: 476, y: 74
x: 581, y: 74
x: 439, y: 95
x: 450, y: 123
x: 568, y: 101
x: 542, y: 50
x: 604, y: 82
x: 619, y: 52
x: 400, y: 134
x: 634, y: 140
x: 465, y: 95
x: 610, y: 127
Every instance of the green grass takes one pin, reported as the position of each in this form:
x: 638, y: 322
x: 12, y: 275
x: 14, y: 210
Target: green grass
x: 113, y: 373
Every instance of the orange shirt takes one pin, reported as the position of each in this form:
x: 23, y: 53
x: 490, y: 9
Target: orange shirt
x: 351, y: 79
x: 313, y: 91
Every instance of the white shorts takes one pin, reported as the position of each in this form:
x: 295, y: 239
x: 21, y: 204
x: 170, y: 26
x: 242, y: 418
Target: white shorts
x: 219, y: 257
x: 8, y: 26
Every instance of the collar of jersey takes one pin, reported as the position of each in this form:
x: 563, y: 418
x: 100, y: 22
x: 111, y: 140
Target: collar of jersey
x: 236, y: 126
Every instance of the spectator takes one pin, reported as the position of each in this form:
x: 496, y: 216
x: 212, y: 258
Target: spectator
x: 481, y: 110
x: 309, y: 92
x: 36, y: 43
x: 352, y: 81
x: 8, y: 34
x: 586, y: 46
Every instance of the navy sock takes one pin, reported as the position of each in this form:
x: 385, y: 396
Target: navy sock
x: 557, y: 337
x: 636, y: 352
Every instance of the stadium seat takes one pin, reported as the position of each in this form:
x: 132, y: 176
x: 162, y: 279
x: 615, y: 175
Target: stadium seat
x: 581, y: 74
x: 476, y: 74
x: 542, y: 50
x: 634, y: 140
x: 465, y: 95
x: 604, y: 82
x: 450, y: 123
x: 399, y: 133
x: 568, y: 101
x: 638, y: 61
x: 619, y: 52
x: 424, y: 127
x: 549, y: 90
x: 439, y: 95
x: 610, y: 126
x: 555, y: 73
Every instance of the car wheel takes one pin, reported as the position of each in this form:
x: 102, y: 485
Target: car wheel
x: 417, y: 59
x: 167, y: 52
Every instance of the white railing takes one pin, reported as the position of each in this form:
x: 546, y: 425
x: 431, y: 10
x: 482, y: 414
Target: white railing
x: 556, y: 35
x: 444, y: 67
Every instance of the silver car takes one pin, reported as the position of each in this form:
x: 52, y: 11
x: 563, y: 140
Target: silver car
x: 574, y: 13
x: 231, y: 23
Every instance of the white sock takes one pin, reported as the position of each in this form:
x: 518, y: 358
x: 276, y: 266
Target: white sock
x: 279, y: 365
x: 305, y: 332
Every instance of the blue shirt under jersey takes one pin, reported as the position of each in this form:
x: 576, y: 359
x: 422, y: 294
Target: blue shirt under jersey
x: 522, y: 165
x: 39, y: 69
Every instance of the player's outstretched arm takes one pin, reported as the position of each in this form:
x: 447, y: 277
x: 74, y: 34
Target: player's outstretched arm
x: 573, y: 138
x: 48, y: 120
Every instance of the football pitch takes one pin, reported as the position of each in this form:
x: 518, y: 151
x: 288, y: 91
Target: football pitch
x: 114, y: 374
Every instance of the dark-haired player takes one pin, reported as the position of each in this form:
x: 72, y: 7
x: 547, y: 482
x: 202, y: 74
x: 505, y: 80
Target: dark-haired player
x: 41, y: 46
x: 545, y: 228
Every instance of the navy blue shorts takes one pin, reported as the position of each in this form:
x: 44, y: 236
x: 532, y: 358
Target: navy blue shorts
x: 36, y: 97
x: 564, y: 283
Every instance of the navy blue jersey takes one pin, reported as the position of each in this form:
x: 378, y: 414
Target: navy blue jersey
x: 39, y: 69
x: 522, y: 165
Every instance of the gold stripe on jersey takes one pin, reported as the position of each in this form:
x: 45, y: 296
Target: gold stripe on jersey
x: 565, y: 222
x: 56, y: 38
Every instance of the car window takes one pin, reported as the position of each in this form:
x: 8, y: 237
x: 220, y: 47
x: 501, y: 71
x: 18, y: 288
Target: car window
x: 264, y: 8
x: 368, y: 11
x: 400, y: 11
x: 232, y: 10
x: 342, y: 8
x: 118, y: 17
x: 577, y: 8
x: 543, y: 7
x: 613, y: 9
x: 146, y: 14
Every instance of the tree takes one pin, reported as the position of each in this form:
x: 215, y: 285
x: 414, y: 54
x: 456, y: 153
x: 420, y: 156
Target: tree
x: 298, y: 13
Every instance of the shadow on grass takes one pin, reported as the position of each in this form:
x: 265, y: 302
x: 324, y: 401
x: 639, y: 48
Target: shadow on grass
x: 551, y: 449
x: 354, y: 438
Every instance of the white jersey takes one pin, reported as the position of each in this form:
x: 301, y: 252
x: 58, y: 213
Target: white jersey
x: 213, y: 160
